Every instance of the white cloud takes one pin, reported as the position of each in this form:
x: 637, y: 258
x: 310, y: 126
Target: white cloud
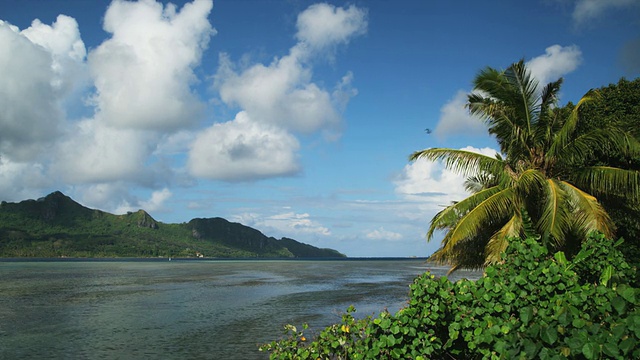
x: 27, y: 79
x: 19, y: 181
x: 290, y: 223
x: 144, y: 72
x: 116, y: 197
x: 280, y: 94
x: 323, y: 26
x: 140, y: 86
x: 157, y: 200
x: 277, y: 100
x: 153, y: 205
x: 382, y: 234
x: 455, y: 118
x: 243, y: 149
x: 586, y: 10
x: 62, y: 40
x: 296, y: 223
x: 142, y: 75
x: 556, y: 62
x: 108, y: 196
x: 93, y: 153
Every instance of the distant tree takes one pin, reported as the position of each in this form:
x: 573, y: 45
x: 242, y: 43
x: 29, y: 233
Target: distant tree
x: 620, y: 104
x: 541, y: 173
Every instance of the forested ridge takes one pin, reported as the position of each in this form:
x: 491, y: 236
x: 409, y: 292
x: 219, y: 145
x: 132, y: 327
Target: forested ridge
x: 58, y: 226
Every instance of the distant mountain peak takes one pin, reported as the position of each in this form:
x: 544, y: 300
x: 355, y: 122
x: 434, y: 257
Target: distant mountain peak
x: 145, y: 220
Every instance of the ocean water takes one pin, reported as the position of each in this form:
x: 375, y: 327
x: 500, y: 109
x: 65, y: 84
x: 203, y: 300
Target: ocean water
x: 185, y: 309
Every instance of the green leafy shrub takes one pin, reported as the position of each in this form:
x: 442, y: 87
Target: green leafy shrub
x: 602, y: 261
x: 530, y: 305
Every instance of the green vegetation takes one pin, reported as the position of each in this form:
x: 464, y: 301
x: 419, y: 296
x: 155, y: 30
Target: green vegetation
x: 530, y: 305
x: 546, y: 171
x: 57, y: 226
x: 555, y: 285
x: 618, y: 103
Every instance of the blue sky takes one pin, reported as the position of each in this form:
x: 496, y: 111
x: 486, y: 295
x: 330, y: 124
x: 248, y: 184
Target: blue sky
x: 293, y: 117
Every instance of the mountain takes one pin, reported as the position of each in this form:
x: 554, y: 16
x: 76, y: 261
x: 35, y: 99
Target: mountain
x: 57, y: 226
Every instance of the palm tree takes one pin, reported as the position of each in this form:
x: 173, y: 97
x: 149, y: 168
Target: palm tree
x: 539, y: 173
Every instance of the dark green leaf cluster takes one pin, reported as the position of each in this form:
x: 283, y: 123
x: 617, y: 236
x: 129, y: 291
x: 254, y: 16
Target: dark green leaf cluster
x: 530, y: 305
x: 618, y: 104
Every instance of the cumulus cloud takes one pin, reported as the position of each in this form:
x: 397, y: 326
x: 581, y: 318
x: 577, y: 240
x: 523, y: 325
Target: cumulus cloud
x: 556, y: 62
x: 108, y: 196
x: 281, y: 94
x: 20, y: 180
x: 243, y: 149
x: 153, y: 205
x: 33, y: 69
x: 94, y: 152
x: 586, y: 10
x: 289, y: 223
x: 382, y: 234
x: 277, y: 101
x: 142, y: 110
x: 142, y: 77
x: 323, y: 26
x: 144, y: 72
x: 62, y: 40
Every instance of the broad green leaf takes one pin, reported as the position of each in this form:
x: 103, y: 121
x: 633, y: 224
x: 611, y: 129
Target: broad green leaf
x: 560, y: 258
x: 549, y: 335
x: 526, y: 314
x: 618, y: 304
x: 628, y: 293
x: 607, y: 273
x: 591, y: 350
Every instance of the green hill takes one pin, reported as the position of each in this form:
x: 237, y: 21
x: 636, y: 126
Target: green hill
x: 57, y: 226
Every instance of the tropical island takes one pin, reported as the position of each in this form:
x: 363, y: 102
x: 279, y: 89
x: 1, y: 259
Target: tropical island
x: 56, y: 226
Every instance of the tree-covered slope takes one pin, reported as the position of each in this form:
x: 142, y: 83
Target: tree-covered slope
x: 57, y: 226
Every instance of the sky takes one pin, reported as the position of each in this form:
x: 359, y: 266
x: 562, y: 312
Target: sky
x: 293, y: 117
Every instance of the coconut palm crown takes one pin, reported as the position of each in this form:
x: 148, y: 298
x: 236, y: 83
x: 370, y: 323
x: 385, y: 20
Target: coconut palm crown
x: 538, y: 183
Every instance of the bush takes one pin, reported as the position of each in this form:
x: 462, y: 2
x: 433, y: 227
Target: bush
x: 531, y: 305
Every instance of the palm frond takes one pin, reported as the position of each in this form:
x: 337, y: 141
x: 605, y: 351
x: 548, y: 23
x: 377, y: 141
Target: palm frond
x: 564, y: 135
x: 589, y: 215
x: 524, y: 87
x: 556, y: 214
x: 548, y: 119
x: 464, y: 162
x: 496, y: 206
x: 549, y: 94
x: 527, y: 185
x: 449, y: 216
x: 479, y: 182
x: 608, y: 180
x: 608, y: 138
x: 500, y: 240
x: 527, y: 224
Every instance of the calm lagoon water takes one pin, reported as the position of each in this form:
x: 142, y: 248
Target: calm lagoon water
x: 185, y: 309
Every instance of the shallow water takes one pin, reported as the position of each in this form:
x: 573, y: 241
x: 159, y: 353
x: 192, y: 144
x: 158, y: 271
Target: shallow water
x: 184, y: 309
